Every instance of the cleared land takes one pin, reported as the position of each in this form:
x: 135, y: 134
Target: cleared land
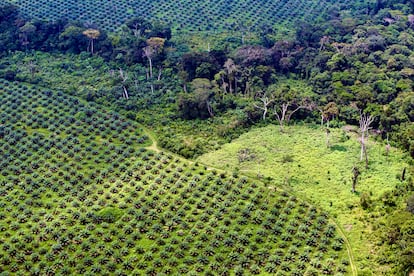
x: 300, y: 161
x: 80, y: 194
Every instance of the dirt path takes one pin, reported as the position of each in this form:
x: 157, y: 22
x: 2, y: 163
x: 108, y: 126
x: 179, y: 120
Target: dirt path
x: 154, y: 147
x: 150, y: 134
x: 348, y: 249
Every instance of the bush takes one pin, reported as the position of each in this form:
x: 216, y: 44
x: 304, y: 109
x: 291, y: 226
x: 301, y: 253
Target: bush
x: 109, y: 214
x: 287, y: 158
x: 365, y: 201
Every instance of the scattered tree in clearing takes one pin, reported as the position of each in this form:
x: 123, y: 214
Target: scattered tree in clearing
x: 124, y: 77
x: 288, y: 102
x: 365, y: 122
x: 92, y: 34
x: 265, y: 102
x: 327, y: 114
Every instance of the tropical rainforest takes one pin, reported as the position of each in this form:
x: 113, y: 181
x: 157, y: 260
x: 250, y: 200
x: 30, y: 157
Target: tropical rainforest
x: 207, y: 137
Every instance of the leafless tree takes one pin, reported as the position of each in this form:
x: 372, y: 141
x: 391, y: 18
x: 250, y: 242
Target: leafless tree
x: 286, y: 109
x: 365, y: 122
x: 124, y: 77
x: 149, y: 53
x: 328, y: 112
x: 265, y: 102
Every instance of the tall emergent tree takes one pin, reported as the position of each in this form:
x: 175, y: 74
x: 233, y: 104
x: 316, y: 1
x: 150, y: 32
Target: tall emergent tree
x: 365, y: 121
x: 155, y: 46
x: 124, y: 77
x: 91, y: 34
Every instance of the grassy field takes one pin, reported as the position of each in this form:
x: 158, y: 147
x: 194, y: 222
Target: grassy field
x: 300, y: 161
x: 85, y: 192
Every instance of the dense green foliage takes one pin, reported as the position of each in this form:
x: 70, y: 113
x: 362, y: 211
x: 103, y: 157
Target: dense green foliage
x: 345, y: 59
x: 80, y: 195
x: 198, y: 80
x: 374, y: 218
x: 185, y: 15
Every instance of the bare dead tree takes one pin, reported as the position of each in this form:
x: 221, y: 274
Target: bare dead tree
x: 124, y: 77
x: 365, y: 122
x: 327, y: 113
x: 265, y: 103
x: 149, y: 52
x: 285, y: 110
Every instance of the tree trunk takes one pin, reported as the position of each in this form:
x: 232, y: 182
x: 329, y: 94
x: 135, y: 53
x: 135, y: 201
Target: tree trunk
x: 209, y: 109
x: 321, y: 120
x: 355, y: 172
x: 366, y: 157
x: 264, y: 113
x: 235, y: 85
x: 159, y: 74
x: 125, y: 92
x: 150, y: 66
x: 328, y: 144
x: 362, y: 146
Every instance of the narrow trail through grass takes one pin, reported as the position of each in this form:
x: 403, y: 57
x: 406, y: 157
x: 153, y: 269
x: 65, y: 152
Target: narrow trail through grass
x: 348, y: 249
x: 150, y: 134
x: 299, y: 162
x: 154, y: 146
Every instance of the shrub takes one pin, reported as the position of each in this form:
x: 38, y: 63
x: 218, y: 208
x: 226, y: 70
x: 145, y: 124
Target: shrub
x: 365, y: 201
x: 109, y: 214
x: 410, y: 204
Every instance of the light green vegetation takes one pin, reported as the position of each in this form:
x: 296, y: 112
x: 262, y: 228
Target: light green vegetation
x: 81, y: 194
x: 299, y: 160
x: 73, y: 74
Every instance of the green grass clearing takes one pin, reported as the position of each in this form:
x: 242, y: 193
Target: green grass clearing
x: 300, y: 161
